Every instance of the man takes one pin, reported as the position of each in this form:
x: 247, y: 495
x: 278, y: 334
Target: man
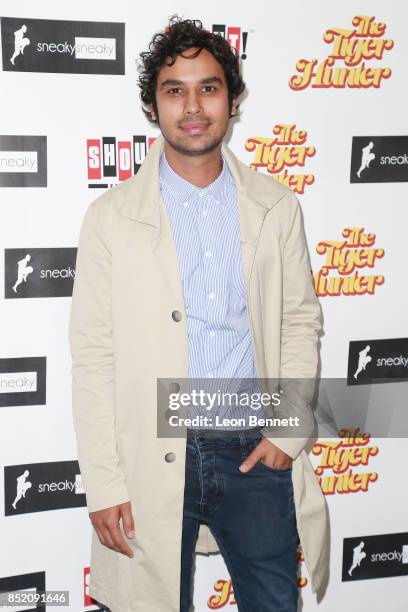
x: 20, y: 43
x: 198, y: 267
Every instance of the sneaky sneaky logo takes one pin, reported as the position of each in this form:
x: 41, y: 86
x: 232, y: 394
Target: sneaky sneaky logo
x: 31, y: 273
x: 379, y: 159
x: 23, y: 381
x: 48, y: 45
x: 375, y: 556
x: 42, y: 486
x: 33, y: 586
x: 377, y: 361
x: 23, y: 161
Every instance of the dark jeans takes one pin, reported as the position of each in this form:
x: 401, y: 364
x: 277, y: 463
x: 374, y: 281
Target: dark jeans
x: 251, y: 516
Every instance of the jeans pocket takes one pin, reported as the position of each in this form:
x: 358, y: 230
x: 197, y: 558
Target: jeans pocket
x: 273, y: 470
x: 248, y: 445
x: 251, y: 444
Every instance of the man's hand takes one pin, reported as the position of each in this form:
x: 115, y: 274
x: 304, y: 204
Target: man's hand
x: 269, y: 454
x: 106, y: 523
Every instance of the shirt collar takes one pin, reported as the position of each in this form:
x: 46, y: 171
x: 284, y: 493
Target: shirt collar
x: 181, y: 189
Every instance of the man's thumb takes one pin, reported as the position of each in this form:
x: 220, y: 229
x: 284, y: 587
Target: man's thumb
x: 127, y: 520
x: 250, y: 461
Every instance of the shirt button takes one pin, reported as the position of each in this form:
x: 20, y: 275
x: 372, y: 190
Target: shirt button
x: 208, y: 253
x: 212, y: 333
x: 204, y: 213
x: 211, y: 295
x: 185, y: 204
x: 201, y: 193
x: 210, y: 375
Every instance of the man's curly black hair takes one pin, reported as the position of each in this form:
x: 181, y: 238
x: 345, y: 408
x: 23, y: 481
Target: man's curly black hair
x: 180, y: 35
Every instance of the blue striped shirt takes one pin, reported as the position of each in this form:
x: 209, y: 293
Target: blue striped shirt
x: 206, y: 231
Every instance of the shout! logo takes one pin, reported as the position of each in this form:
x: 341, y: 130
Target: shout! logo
x: 110, y: 160
x: 287, y: 148
x: 341, y: 457
x: 235, y: 36
x: 88, y: 600
x: 352, y: 47
x: 346, y: 257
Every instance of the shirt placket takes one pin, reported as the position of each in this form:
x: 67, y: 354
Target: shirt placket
x: 209, y: 230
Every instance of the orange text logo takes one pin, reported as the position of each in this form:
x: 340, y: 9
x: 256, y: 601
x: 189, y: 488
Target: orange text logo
x: 225, y: 595
x: 347, y: 256
x: 340, y: 458
x: 351, y: 47
x: 225, y: 592
x: 286, y: 149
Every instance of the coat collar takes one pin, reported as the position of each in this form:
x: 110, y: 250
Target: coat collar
x: 139, y: 199
x: 256, y: 193
x: 182, y: 190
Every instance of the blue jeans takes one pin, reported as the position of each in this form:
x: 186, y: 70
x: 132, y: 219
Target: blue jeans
x: 252, y: 518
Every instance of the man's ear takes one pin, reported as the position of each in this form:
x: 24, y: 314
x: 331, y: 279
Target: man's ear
x: 151, y: 111
x: 234, y: 107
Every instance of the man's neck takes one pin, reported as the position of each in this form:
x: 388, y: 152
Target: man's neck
x: 200, y: 170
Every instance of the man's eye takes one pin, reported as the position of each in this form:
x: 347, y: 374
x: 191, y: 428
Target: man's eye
x: 209, y: 88
x: 174, y: 90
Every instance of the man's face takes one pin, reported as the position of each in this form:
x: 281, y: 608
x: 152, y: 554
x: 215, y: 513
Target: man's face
x: 192, y: 103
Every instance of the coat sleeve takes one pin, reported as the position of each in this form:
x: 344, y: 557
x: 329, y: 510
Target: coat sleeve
x: 93, y: 374
x: 300, y: 327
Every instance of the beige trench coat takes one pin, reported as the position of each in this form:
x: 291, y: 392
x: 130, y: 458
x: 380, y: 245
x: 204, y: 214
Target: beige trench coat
x: 123, y: 337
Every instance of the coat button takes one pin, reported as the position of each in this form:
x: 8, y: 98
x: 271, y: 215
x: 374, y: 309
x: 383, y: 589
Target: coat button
x: 170, y: 457
x: 176, y: 315
x: 174, y: 387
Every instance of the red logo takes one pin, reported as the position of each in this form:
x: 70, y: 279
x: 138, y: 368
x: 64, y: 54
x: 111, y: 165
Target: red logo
x: 110, y: 160
x: 235, y: 36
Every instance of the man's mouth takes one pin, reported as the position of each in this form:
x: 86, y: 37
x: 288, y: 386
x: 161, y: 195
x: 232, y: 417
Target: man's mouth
x: 197, y: 127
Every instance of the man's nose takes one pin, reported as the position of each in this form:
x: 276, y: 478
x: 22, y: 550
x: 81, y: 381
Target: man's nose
x: 193, y: 103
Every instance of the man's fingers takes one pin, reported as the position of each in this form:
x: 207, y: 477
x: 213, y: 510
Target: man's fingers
x: 118, y: 541
x: 104, y: 537
x: 106, y: 524
x: 278, y: 466
x: 251, y: 460
x: 99, y: 534
x: 269, y: 454
x: 127, y: 519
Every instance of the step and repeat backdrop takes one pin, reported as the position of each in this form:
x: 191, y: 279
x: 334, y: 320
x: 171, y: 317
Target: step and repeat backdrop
x: 325, y: 114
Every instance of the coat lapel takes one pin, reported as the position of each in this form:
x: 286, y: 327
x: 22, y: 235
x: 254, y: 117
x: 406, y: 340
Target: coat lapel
x: 164, y: 249
x: 145, y: 205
